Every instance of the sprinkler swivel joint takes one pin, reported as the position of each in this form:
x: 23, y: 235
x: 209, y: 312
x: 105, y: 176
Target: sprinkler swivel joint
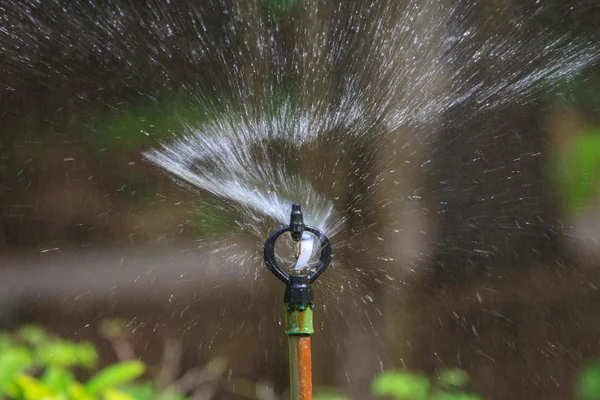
x: 298, y: 290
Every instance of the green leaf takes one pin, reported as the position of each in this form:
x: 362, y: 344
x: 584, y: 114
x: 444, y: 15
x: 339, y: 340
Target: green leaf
x: 12, y: 363
x: 401, y: 385
x: 64, y: 353
x: 115, y: 375
x: 455, y: 377
x: 588, y: 383
x: 112, y: 394
x: 77, y: 392
x: 6, y: 342
x: 32, y: 334
x: 86, y: 355
x: 35, y: 389
x: 58, y: 379
x: 58, y: 353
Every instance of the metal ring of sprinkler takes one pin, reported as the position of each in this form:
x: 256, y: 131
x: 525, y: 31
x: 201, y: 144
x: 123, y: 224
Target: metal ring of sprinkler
x: 283, y: 276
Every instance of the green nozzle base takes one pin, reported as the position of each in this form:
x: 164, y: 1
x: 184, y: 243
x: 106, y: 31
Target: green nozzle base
x: 299, y: 319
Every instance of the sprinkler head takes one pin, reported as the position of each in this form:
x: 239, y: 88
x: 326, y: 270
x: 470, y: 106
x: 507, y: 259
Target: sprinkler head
x: 298, y: 290
x: 296, y: 223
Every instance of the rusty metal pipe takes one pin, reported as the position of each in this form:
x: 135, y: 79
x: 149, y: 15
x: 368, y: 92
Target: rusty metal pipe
x: 300, y: 367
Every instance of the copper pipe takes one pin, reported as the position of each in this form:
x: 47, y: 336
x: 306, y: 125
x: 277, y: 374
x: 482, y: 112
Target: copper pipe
x: 300, y: 367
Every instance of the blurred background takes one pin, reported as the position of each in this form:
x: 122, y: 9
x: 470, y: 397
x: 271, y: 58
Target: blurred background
x: 472, y: 237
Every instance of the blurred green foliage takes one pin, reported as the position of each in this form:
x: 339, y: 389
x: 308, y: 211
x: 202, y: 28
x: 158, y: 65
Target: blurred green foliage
x: 576, y: 168
x: 135, y: 127
x: 401, y: 385
x: 115, y: 140
x: 588, y: 383
x: 329, y: 394
x: 281, y: 8
x: 579, y: 170
x: 37, y: 365
x: 449, y: 384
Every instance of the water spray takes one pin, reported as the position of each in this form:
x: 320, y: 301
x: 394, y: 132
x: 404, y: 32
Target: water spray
x: 298, y: 298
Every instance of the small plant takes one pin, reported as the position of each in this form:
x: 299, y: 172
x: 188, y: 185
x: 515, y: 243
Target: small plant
x: 403, y: 385
x: 36, y: 365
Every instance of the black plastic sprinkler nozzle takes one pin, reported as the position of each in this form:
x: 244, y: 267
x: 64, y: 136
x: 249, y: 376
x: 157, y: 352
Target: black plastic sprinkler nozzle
x: 297, y: 223
x: 298, y: 299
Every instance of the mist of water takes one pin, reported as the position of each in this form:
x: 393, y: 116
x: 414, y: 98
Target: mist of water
x: 359, y: 72
x: 293, y: 74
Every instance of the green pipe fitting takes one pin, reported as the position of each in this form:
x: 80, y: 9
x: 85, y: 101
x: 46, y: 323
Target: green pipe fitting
x: 299, y: 319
